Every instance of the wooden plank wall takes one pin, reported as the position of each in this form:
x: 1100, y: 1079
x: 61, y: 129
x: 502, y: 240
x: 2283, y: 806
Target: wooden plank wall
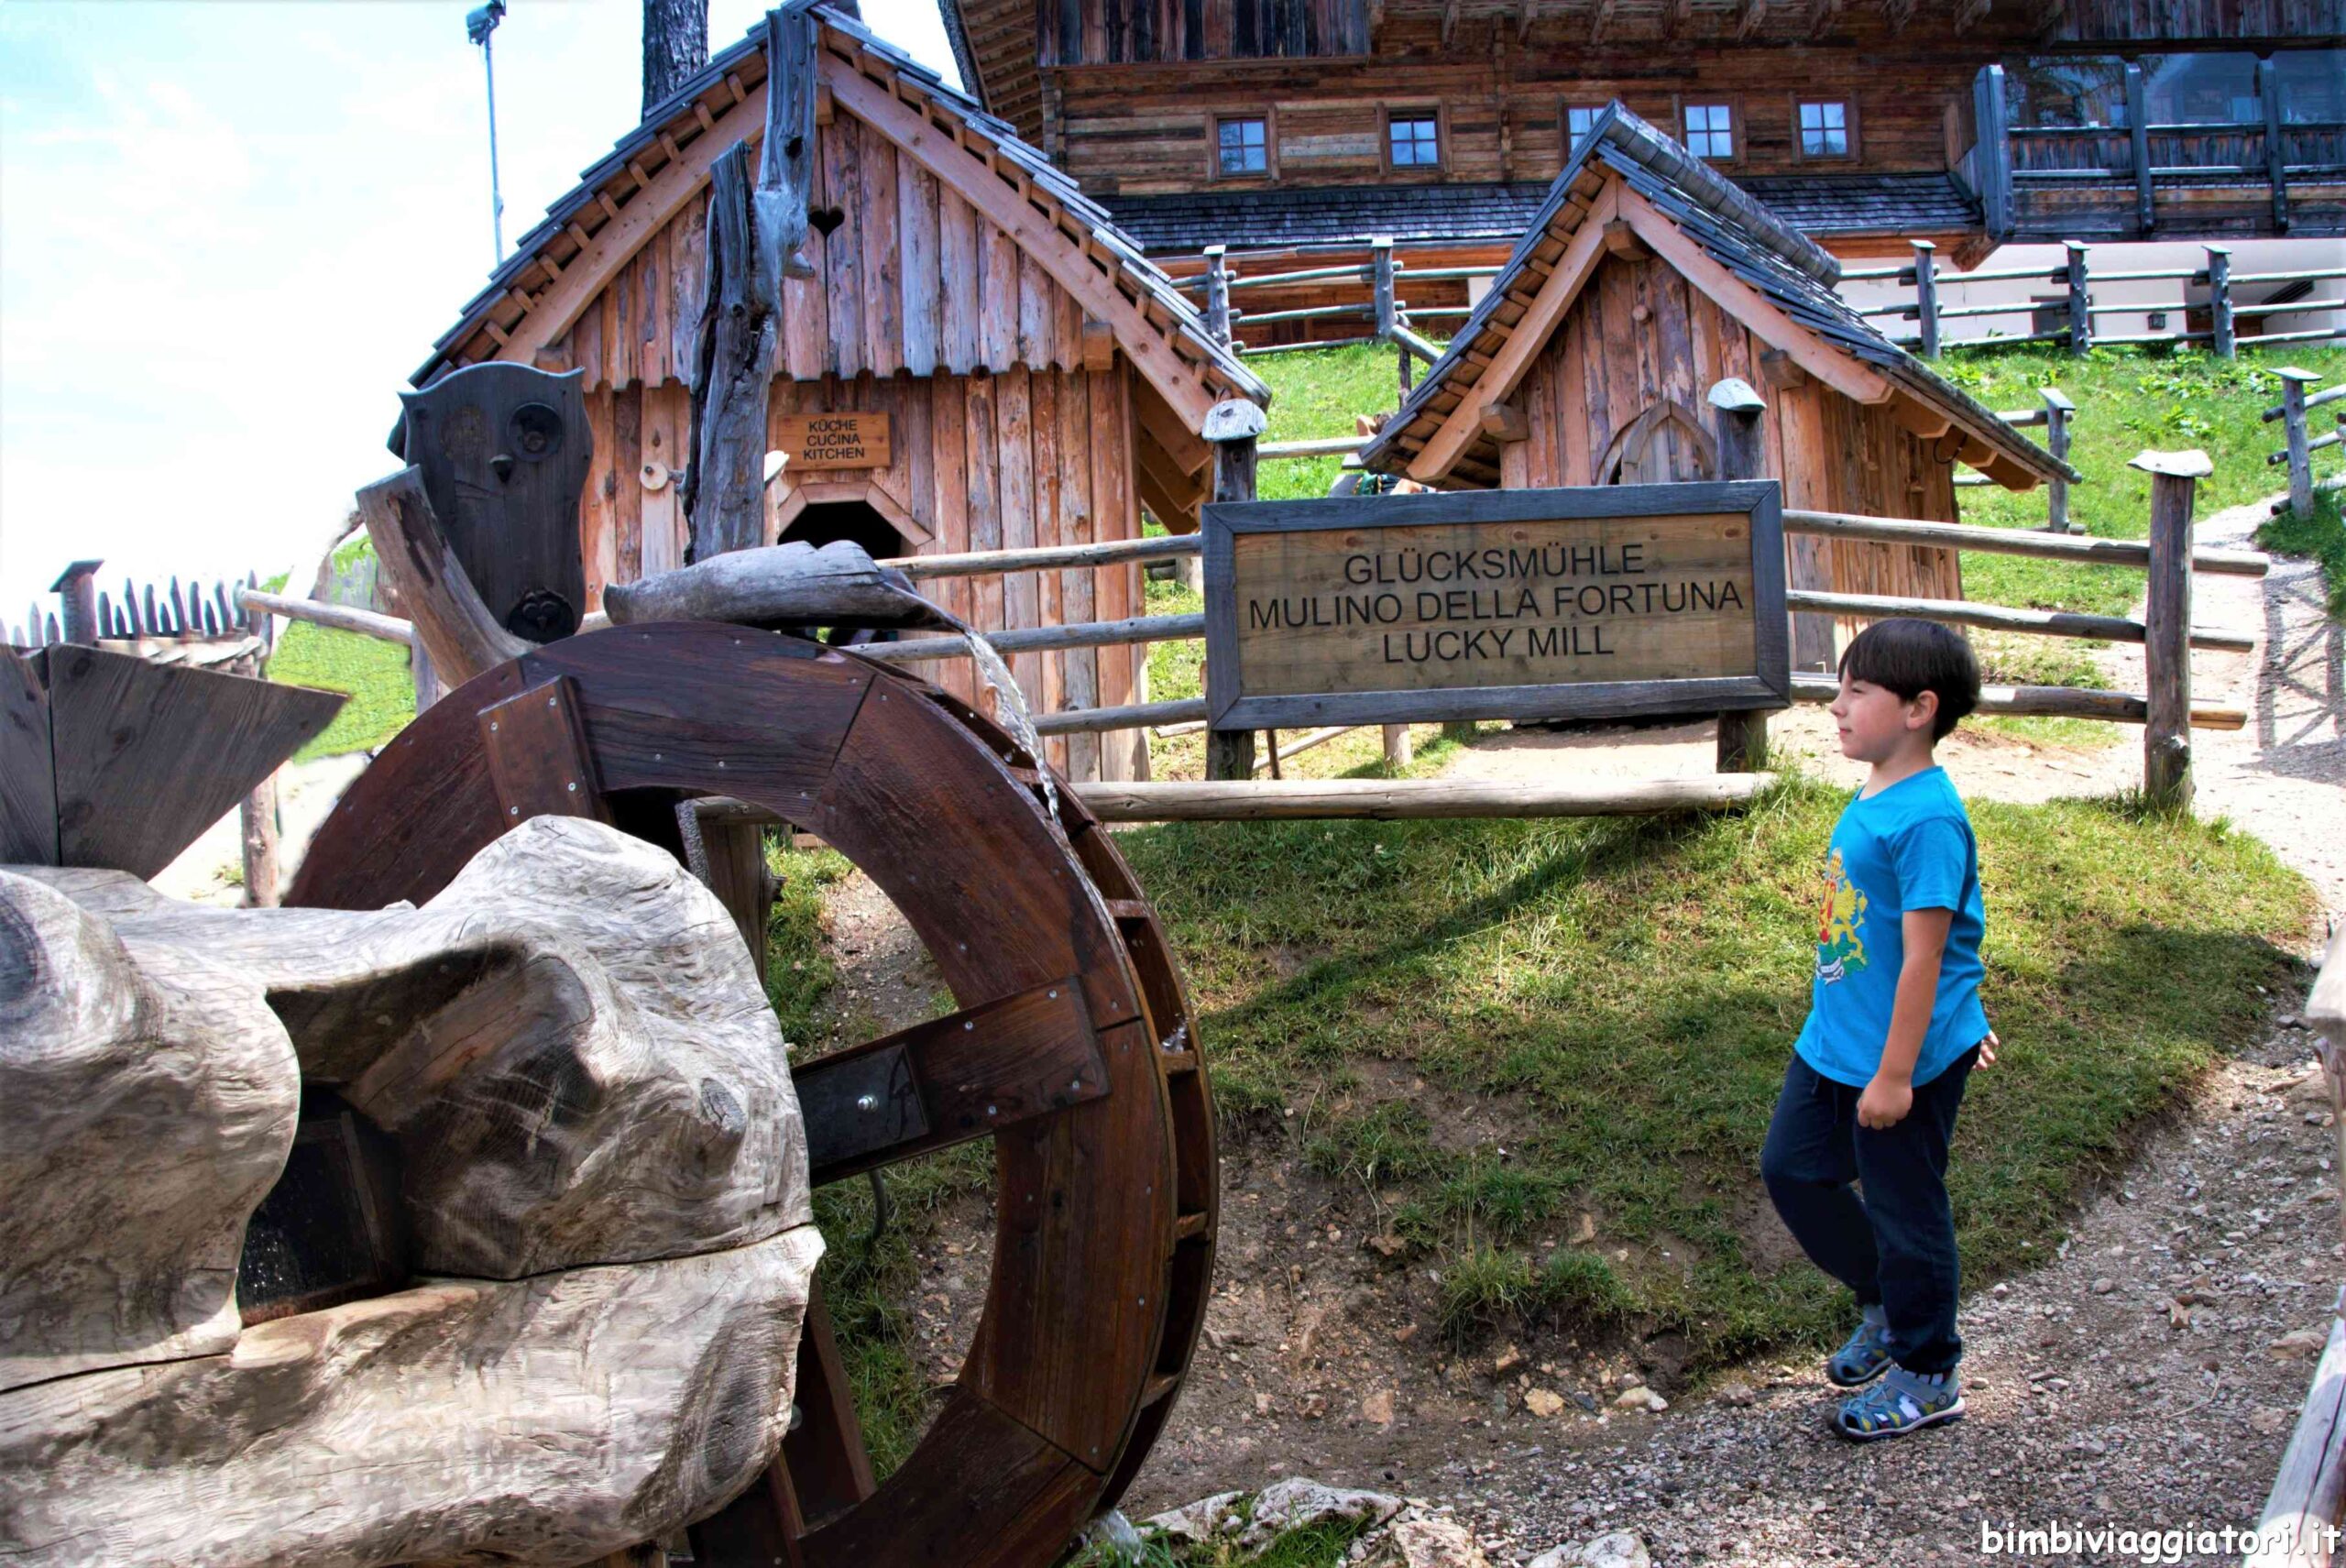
x: 909, y: 277
x: 1605, y: 364
x: 983, y: 462
x: 1139, y: 129
x: 1115, y: 32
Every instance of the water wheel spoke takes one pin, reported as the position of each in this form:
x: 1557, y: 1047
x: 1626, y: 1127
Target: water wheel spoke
x: 966, y: 1075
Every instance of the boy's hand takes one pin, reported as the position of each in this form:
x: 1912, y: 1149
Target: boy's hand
x: 1986, y: 1056
x: 1885, y: 1102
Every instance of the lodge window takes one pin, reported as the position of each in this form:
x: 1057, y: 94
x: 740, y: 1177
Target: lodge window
x: 1825, y: 129
x: 1710, y: 130
x: 1412, y: 138
x: 1579, y: 119
x: 1242, y: 146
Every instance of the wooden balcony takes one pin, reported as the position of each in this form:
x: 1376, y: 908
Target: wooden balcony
x: 2276, y: 177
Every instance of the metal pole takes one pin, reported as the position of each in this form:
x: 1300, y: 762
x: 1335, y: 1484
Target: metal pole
x: 496, y: 195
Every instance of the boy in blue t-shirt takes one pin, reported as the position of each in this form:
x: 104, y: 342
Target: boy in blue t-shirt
x: 1894, y: 1028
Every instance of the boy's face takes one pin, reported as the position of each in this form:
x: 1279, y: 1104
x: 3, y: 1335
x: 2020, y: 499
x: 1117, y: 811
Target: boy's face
x: 1876, y: 723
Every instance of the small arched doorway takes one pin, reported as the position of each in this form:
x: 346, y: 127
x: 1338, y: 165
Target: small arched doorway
x: 861, y: 514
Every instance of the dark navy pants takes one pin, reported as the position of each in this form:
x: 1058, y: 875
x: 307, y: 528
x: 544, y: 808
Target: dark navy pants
x: 1895, y: 1244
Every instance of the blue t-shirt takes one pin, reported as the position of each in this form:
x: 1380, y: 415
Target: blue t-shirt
x: 1908, y: 847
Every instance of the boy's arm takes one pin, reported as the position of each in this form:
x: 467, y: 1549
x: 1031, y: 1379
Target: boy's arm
x: 1891, y: 1095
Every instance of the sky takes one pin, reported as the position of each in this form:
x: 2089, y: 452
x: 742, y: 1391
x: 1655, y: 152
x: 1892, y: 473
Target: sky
x: 229, y: 232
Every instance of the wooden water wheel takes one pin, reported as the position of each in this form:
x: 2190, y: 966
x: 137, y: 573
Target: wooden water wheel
x: 1073, y: 1047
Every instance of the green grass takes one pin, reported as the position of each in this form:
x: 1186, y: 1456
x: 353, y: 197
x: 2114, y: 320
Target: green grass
x: 2128, y: 399
x: 2321, y: 535
x: 1626, y: 992
x: 1325, y: 1545
x: 375, y: 674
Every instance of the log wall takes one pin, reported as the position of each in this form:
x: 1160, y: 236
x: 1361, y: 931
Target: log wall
x: 1605, y: 365
x: 1137, y: 130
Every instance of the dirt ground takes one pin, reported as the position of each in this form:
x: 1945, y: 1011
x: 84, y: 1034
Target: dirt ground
x: 2129, y: 1381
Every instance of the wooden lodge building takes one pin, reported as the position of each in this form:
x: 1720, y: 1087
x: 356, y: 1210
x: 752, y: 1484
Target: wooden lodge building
x: 1280, y: 127
x: 1647, y: 279
x: 981, y: 361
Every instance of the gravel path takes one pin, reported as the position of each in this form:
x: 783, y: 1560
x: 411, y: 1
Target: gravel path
x: 2146, y: 1377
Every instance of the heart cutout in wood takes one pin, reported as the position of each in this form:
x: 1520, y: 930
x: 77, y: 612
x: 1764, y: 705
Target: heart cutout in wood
x: 825, y: 219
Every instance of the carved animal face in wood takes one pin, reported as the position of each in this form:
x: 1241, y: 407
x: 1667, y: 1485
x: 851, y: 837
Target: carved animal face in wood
x: 594, y: 1152
x: 504, y: 450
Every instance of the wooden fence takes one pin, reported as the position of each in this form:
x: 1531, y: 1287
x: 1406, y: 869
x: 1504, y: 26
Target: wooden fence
x: 2165, y: 709
x: 2299, y: 444
x: 2077, y: 307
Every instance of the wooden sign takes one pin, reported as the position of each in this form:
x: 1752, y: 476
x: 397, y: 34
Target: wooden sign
x: 819, y: 442
x: 1599, y: 601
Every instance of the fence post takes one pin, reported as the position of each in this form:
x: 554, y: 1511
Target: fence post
x: 1926, y: 296
x: 2138, y: 134
x: 2057, y: 410
x: 2080, y: 301
x: 2293, y: 383
x: 77, y: 595
x: 1736, y: 413
x: 256, y: 818
x: 1388, y: 314
x: 1218, y: 294
x: 2167, y: 621
x: 2219, y: 299
x: 2276, y: 158
x: 1397, y: 753
x: 1231, y: 427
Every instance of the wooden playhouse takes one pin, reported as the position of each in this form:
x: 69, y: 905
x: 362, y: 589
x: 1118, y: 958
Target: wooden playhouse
x: 980, y: 361
x: 1647, y: 278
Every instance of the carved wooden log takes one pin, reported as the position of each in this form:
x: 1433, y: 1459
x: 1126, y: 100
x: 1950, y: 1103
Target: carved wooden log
x: 780, y: 585
x: 548, y: 1420
x: 570, y: 1047
x: 142, y: 1117
x: 412, y: 550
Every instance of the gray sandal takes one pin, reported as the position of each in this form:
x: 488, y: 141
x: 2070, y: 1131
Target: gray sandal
x: 1864, y: 1356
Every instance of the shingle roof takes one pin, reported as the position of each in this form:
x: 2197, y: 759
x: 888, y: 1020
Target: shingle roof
x: 606, y: 186
x: 1755, y: 245
x: 1353, y: 215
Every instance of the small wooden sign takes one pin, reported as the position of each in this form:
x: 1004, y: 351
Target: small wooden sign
x: 1599, y: 601
x: 820, y: 442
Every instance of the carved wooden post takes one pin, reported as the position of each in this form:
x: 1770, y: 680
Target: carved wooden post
x: 2276, y: 153
x: 2057, y: 410
x: 1926, y: 296
x: 2219, y: 299
x: 2138, y: 135
x: 2293, y: 383
x: 77, y: 596
x: 1737, y: 412
x: 2167, y: 643
x: 1218, y: 293
x: 2081, y: 300
x: 1232, y: 426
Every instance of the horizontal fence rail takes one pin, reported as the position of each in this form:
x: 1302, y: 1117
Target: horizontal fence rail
x: 2211, y: 288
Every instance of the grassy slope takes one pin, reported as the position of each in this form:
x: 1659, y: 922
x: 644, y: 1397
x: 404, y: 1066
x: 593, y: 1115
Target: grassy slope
x: 2322, y: 536
x: 382, y: 699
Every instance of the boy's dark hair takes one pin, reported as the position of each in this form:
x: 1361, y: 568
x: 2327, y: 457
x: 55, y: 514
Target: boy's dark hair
x: 1910, y: 657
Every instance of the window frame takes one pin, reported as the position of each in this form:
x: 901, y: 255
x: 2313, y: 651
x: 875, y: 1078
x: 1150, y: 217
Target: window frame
x: 1848, y: 131
x: 1738, y: 124
x: 1438, y: 113
x: 1269, y: 122
x: 1564, y: 122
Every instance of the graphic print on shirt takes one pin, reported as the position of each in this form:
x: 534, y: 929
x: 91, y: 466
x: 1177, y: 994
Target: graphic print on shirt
x: 1840, y: 951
